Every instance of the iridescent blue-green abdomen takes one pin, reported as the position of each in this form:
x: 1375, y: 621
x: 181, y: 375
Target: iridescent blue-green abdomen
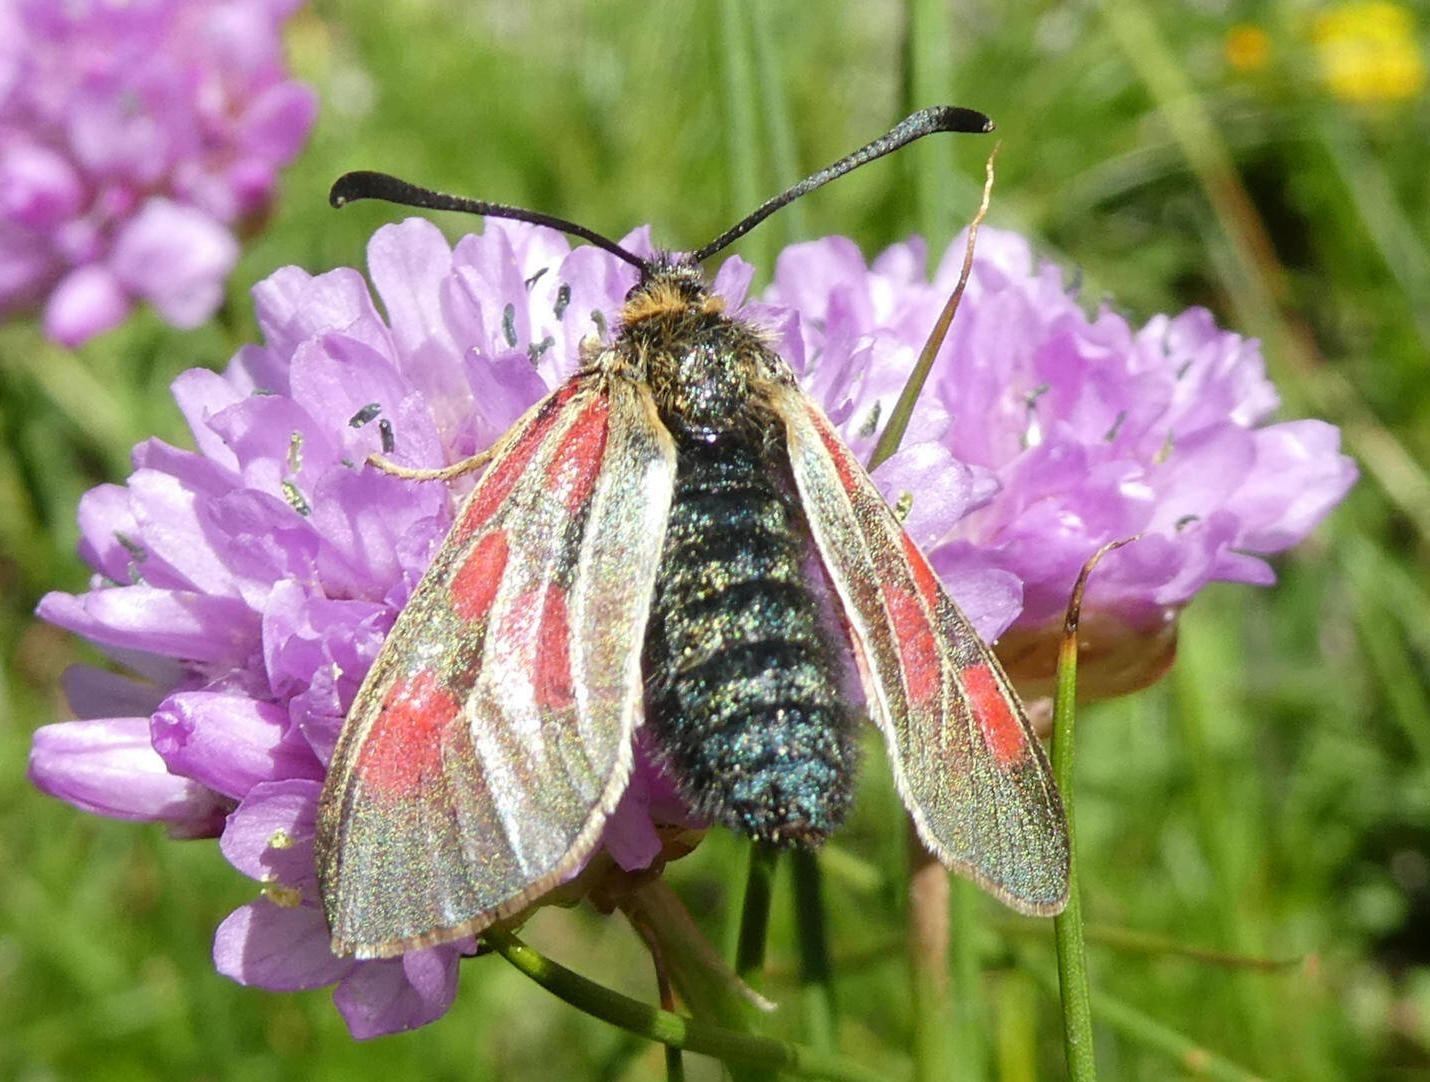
x: 743, y: 695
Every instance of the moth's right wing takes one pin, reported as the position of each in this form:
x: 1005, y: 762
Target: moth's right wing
x: 966, y: 761
x: 493, y: 735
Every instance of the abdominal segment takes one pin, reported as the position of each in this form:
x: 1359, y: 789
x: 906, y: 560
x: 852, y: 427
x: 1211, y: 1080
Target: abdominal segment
x: 743, y: 696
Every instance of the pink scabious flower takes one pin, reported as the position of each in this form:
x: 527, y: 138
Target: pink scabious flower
x: 136, y: 136
x: 249, y: 583
x: 1075, y: 430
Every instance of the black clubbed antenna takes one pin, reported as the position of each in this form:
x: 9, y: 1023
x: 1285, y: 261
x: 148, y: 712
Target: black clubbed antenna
x: 924, y: 122
x: 367, y: 185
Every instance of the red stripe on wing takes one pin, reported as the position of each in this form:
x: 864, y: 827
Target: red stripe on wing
x: 553, y: 660
x: 1001, y: 731
x: 475, y: 584
x: 843, y: 460
x: 403, y: 750
x: 578, y: 460
x: 496, y: 484
x: 538, y: 620
x: 918, y: 650
x: 924, y: 577
x: 909, y: 614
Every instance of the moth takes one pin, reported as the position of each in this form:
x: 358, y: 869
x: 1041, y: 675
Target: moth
x: 643, y: 552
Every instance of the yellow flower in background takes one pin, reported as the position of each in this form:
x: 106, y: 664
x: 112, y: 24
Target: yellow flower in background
x: 1247, y: 47
x: 1369, y: 52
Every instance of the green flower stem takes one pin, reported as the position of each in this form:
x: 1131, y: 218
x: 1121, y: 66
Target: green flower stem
x: 674, y: 1060
x: 699, y: 973
x: 815, y: 974
x: 755, y: 914
x: 669, y: 1028
x: 694, y: 967
x: 1067, y: 927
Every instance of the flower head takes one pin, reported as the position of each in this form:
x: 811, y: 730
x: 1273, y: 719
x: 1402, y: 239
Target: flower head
x: 1369, y: 51
x: 250, y: 582
x: 134, y: 139
x: 1074, y: 430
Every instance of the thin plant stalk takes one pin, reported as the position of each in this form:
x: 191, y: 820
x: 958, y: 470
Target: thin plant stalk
x: 673, y: 1029
x: 674, y: 1059
x: 903, y: 410
x: 755, y: 914
x: 1073, y: 982
x: 816, y: 976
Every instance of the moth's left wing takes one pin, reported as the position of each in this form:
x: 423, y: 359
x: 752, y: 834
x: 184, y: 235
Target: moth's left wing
x: 492, y: 737
x: 965, y: 760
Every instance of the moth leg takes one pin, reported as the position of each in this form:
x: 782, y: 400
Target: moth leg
x: 439, y: 473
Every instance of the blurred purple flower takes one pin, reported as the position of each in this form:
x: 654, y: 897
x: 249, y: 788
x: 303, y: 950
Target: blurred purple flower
x: 1072, y: 430
x: 135, y: 139
x: 252, y: 581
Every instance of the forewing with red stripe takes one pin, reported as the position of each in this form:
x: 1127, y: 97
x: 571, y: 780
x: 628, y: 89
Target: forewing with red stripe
x: 493, y: 735
x: 965, y: 759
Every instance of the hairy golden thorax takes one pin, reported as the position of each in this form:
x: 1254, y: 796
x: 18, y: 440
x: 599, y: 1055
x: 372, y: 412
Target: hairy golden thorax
x: 704, y: 368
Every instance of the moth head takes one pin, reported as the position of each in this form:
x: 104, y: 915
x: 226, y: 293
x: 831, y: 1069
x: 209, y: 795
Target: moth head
x: 673, y: 289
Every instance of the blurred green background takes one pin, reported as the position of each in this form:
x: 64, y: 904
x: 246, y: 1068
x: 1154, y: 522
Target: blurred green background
x: 1270, y: 798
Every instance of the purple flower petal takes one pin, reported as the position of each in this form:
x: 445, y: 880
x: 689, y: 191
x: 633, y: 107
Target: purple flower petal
x: 1299, y: 476
x: 201, y: 394
x: 269, y: 836
x: 398, y: 994
x: 170, y: 623
x: 282, y: 947
x: 230, y: 742
x: 108, y: 767
x: 176, y: 257
x: 88, y: 301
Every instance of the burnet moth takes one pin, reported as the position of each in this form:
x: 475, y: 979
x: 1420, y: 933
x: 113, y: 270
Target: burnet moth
x: 638, y: 554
